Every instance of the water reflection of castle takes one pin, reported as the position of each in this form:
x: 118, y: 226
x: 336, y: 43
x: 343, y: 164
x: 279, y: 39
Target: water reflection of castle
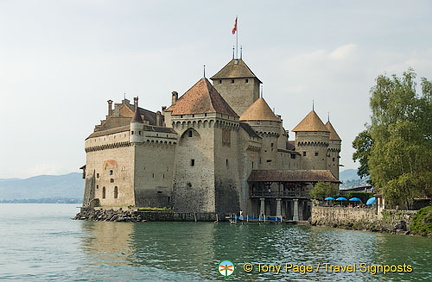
x: 217, y: 148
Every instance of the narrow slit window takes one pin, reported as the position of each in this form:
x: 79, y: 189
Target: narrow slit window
x: 115, y: 192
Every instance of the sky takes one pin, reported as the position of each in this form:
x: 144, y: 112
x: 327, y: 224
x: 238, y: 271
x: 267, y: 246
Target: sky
x: 60, y: 61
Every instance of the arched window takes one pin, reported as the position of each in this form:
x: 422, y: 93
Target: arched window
x: 115, y: 192
x: 103, y: 192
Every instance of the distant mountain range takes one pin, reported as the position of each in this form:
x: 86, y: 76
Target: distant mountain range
x: 348, y: 174
x: 350, y: 179
x: 67, y: 188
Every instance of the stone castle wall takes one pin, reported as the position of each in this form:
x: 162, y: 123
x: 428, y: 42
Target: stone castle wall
x: 227, y: 179
x: 363, y: 218
x: 333, y: 157
x: 112, y: 167
x: 193, y: 183
x: 240, y: 93
x: 313, y: 149
x: 154, y: 168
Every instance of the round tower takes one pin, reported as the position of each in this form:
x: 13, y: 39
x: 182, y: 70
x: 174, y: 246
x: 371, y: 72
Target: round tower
x: 333, y: 150
x: 137, y: 126
x: 312, y: 141
x: 266, y: 124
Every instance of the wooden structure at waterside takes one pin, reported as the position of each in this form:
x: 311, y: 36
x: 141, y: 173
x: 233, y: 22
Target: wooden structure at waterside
x: 285, y: 193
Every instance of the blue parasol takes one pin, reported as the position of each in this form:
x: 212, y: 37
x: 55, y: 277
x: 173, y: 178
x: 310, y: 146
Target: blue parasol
x: 355, y: 199
x: 341, y: 199
x: 329, y: 199
x: 371, y: 201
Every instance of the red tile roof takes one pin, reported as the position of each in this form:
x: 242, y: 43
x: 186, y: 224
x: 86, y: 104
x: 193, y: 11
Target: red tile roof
x: 199, y: 99
x: 236, y: 68
x: 259, y: 110
x: 333, y: 134
x: 311, y: 122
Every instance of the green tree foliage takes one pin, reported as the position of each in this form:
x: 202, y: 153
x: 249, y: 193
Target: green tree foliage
x: 362, y: 144
x: 322, y: 190
x: 397, y: 146
x: 422, y: 222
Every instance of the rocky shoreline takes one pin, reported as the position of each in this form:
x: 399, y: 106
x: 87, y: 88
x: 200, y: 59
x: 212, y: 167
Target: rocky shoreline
x: 400, y: 227
x: 109, y: 215
x: 133, y: 215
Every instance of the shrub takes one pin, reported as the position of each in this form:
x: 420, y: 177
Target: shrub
x: 422, y: 221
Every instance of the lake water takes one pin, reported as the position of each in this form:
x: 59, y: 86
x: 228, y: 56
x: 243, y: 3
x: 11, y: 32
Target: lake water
x: 39, y: 242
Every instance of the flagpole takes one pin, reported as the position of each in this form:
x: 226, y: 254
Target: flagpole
x: 237, y: 37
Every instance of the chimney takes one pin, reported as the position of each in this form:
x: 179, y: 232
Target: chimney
x: 158, y: 118
x: 136, y: 103
x: 174, y: 97
x: 110, y: 102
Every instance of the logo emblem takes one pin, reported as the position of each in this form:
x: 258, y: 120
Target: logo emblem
x: 226, y: 268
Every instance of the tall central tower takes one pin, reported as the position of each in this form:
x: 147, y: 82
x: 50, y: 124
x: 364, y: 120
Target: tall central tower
x: 238, y: 85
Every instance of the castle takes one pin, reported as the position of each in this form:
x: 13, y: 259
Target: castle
x: 218, y: 148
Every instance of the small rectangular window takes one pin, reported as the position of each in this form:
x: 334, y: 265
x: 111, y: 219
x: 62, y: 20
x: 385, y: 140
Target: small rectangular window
x: 192, y: 162
x: 247, y: 80
x: 293, y: 156
x: 97, y: 175
x: 111, y: 172
x: 112, y: 180
x: 304, y: 154
x: 316, y: 154
x: 190, y: 133
x: 232, y: 80
x: 115, y: 192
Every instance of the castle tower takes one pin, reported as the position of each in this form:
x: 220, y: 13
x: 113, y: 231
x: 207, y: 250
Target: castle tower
x: 238, y: 85
x: 137, y: 126
x: 333, y: 150
x: 267, y: 125
x: 206, y: 162
x: 312, y: 141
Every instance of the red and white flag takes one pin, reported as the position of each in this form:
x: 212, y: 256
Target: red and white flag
x: 235, y: 27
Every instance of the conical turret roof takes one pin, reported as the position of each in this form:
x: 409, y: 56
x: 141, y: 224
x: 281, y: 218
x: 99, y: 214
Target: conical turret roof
x: 137, y: 116
x: 199, y: 99
x: 259, y: 110
x: 236, y: 68
x: 333, y: 134
x: 311, y: 123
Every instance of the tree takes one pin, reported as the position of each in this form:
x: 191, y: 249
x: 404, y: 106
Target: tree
x: 396, y: 149
x: 363, y: 144
x: 322, y: 190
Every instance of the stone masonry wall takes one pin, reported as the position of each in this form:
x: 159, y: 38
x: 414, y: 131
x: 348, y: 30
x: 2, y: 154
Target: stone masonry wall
x: 111, y: 168
x: 392, y: 221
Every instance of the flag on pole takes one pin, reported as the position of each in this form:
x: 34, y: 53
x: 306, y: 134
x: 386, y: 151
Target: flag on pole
x: 235, y: 26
